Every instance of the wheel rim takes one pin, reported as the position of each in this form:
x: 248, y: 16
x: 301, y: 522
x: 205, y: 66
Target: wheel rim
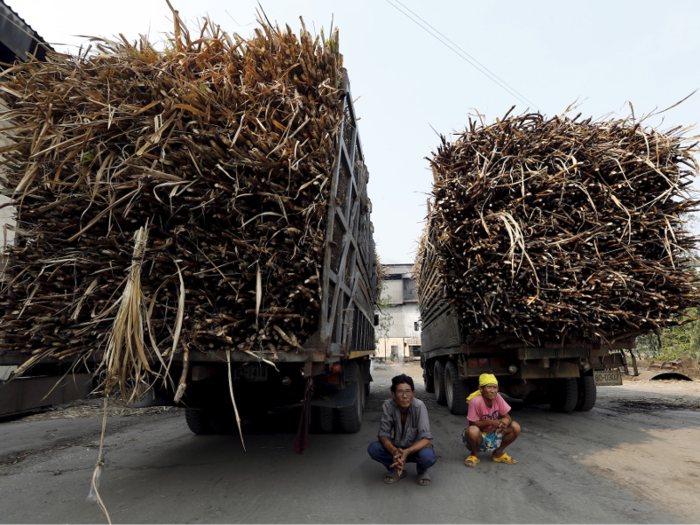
x: 449, y: 394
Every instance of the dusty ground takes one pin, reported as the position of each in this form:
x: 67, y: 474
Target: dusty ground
x: 629, y: 460
x: 658, y: 458
x: 90, y: 407
x: 663, y: 468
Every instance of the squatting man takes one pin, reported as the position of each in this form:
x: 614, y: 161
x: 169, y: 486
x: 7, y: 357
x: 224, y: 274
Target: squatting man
x: 404, y: 434
x: 490, y: 427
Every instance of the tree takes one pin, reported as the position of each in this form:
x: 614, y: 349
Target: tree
x: 386, y: 320
x: 672, y: 343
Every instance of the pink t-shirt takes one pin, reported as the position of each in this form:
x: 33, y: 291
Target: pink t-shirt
x: 478, y: 411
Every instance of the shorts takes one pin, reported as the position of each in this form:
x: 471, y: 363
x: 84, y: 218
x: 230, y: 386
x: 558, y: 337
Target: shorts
x: 490, y: 441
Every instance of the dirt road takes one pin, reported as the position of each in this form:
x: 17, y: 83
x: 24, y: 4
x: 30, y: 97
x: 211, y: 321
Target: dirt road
x: 629, y: 460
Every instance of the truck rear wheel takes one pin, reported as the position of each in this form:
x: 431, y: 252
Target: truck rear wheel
x: 455, y: 390
x: 563, y: 394
x: 428, y: 381
x: 350, y: 418
x: 322, y: 419
x: 439, y: 379
x: 586, y: 393
x: 198, y: 421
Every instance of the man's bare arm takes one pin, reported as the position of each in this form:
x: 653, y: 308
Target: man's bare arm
x: 388, y: 445
x: 418, y: 445
x: 484, y: 424
x: 504, y: 422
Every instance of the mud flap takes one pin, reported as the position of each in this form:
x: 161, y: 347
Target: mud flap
x: 302, y: 440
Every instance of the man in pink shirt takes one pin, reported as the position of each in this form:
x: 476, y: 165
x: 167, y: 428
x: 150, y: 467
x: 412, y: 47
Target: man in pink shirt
x: 490, y: 426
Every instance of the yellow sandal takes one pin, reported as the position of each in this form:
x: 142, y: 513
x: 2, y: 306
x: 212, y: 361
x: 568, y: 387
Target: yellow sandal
x: 505, y: 458
x: 473, y: 459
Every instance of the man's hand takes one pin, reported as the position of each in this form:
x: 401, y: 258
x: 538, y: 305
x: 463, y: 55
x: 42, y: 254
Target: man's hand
x: 503, y: 424
x: 398, y: 454
x: 399, y: 463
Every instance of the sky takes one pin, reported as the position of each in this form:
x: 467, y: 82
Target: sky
x: 409, y: 86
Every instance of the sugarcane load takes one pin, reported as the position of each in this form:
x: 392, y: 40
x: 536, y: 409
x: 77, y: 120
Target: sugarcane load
x: 174, y: 205
x: 559, y: 232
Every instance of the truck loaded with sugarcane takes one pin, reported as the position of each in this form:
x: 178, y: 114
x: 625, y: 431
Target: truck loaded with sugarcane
x: 550, y: 245
x: 193, y: 225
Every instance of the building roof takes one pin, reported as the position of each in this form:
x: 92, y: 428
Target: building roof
x: 397, y: 271
x: 17, y: 38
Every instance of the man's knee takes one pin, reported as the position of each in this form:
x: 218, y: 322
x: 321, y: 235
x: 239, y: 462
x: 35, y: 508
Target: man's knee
x: 474, y: 433
x: 426, y: 458
x: 514, y: 428
x: 375, y: 449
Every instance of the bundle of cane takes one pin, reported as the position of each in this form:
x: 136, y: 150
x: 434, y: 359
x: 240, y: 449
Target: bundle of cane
x: 218, y: 150
x: 544, y: 229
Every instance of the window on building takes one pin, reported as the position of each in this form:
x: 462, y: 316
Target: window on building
x: 409, y: 290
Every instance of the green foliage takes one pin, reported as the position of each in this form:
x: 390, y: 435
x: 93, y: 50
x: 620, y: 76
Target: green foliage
x: 385, y: 318
x: 677, y: 341
x: 692, y: 224
x: 674, y: 342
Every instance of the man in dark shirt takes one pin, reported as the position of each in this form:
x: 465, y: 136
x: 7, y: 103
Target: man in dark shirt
x: 404, y: 434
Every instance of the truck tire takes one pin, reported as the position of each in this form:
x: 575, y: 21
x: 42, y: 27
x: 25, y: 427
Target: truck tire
x: 587, y: 393
x: 428, y: 380
x: 322, y: 419
x: 455, y: 390
x: 198, y: 421
x: 220, y: 419
x: 439, y: 382
x: 563, y: 394
x: 350, y: 418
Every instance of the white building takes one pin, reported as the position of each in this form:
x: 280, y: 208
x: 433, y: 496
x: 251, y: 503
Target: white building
x: 17, y: 41
x: 7, y: 213
x: 399, y: 332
